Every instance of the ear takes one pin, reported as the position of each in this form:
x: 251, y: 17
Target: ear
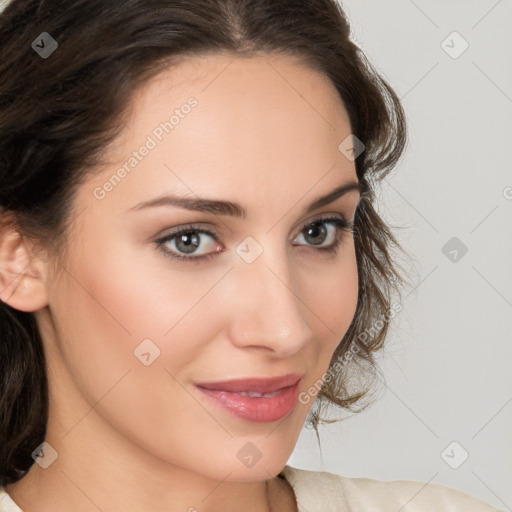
x: 22, y: 271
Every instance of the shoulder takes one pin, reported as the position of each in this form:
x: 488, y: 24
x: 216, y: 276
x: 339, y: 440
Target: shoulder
x: 321, y: 489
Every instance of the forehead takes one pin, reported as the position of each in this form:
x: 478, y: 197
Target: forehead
x: 262, y: 96
x: 256, y: 124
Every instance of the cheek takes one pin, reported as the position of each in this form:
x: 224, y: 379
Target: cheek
x: 333, y: 298
x: 109, y: 308
x: 134, y: 291
x: 116, y: 313
x: 334, y: 291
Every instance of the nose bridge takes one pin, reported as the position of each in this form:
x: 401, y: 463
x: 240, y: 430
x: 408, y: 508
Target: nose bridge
x: 269, y: 310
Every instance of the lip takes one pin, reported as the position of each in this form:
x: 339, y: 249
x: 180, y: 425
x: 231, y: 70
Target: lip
x: 255, y: 384
x: 264, y: 409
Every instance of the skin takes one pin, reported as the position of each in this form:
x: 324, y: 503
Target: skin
x: 264, y: 134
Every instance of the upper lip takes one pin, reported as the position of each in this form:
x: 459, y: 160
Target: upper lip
x: 254, y: 384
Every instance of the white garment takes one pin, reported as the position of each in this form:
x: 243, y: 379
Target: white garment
x: 320, y: 491
x: 4, y: 4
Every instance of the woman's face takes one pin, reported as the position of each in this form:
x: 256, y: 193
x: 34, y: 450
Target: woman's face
x: 131, y: 329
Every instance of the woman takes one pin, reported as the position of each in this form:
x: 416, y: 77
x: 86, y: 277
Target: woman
x: 190, y: 252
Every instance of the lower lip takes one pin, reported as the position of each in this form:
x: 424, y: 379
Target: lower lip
x: 257, y: 409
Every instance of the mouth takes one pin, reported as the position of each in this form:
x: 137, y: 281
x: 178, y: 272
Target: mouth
x: 259, y: 400
x: 259, y: 385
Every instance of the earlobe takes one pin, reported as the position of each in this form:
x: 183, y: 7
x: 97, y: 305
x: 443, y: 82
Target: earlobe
x: 22, y: 273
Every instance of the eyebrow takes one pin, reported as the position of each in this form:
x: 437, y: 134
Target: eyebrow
x: 219, y: 207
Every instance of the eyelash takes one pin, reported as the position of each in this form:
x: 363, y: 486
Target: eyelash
x: 340, y: 222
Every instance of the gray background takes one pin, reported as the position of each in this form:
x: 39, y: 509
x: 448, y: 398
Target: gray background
x: 448, y: 360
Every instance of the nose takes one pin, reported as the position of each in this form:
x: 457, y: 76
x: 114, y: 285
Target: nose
x: 268, y: 309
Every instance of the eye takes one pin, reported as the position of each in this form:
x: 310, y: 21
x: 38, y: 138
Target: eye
x: 184, y: 243
x: 316, y: 233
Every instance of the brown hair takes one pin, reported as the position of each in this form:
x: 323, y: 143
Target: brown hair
x: 58, y: 114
